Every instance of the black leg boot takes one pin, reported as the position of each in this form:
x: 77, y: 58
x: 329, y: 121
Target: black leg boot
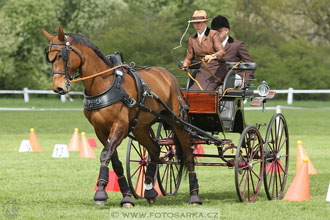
x: 150, y: 193
x: 127, y: 201
x: 101, y: 196
x: 193, y: 183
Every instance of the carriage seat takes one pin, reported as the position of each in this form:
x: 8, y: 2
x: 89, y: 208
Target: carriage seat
x: 242, y: 66
x: 232, y: 84
x: 233, y: 80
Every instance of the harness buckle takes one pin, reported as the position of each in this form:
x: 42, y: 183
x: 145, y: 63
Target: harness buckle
x: 130, y: 102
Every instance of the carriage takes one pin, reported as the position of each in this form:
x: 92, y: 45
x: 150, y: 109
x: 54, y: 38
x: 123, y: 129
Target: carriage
x: 148, y: 106
x: 254, y: 158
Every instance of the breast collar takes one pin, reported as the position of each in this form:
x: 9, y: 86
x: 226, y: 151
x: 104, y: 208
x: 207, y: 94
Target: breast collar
x: 115, y: 93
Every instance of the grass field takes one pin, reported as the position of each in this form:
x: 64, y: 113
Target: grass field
x: 45, y: 188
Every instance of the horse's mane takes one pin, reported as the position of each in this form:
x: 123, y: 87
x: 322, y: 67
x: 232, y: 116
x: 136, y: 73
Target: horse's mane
x: 82, y: 40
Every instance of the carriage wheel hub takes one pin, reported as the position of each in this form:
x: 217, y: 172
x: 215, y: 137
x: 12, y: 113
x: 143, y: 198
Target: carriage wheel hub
x: 143, y: 161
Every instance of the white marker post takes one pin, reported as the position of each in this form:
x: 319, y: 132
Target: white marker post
x: 328, y: 195
x: 60, y: 151
x: 25, y: 146
x: 278, y: 125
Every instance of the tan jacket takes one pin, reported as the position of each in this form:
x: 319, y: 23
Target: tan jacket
x: 210, y: 44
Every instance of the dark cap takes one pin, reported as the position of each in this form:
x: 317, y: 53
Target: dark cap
x: 219, y: 22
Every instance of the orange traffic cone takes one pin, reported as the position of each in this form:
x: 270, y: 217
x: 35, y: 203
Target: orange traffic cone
x: 92, y: 142
x: 199, y: 150
x: 301, y: 153
x: 139, y: 188
x: 156, y: 186
x: 299, y: 188
x: 74, y: 143
x: 113, y: 185
x: 85, y: 150
x: 274, y: 168
x: 34, y: 141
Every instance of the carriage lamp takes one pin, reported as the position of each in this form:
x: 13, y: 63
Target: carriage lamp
x: 263, y: 89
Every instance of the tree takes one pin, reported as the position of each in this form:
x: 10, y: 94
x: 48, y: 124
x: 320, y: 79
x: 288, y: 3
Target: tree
x: 21, y: 54
x: 22, y: 60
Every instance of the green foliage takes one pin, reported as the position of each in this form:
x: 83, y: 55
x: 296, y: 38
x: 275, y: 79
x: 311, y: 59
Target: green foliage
x: 22, y: 56
x: 289, y: 44
x: 295, y: 64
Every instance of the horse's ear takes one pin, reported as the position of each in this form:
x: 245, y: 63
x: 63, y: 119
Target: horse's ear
x: 47, y: 35
x: 60, y: 33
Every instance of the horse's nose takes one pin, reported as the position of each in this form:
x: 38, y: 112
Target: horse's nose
x: 59, y: 90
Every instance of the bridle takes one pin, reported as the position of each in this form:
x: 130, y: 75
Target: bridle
x: 64, y: 53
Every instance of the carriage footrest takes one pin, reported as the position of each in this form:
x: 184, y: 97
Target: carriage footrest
x: 170, y: 141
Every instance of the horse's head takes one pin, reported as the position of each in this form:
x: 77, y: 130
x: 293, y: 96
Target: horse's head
x: 65, y: 58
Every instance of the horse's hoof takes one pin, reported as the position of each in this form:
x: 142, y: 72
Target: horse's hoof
x: 127, y: 205
x: 151, y: 201
x: 100, y: 202
x: 195, y: 200
x: 100, y: 195
x: 150, y: 194
x: 127, y: 202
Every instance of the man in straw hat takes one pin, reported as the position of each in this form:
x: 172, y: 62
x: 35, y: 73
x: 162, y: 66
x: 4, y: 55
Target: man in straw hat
x: 235, y: 49
x: 206, y: 46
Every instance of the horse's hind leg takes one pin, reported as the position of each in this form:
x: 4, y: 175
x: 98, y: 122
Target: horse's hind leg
x: 184, y: 140
x: 144, y: 138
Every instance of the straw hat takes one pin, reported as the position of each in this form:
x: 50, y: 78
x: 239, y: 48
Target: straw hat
x: 199, y: 16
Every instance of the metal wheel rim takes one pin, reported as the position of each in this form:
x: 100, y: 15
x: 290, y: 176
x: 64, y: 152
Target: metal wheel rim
x: 136, y: 169
x: 171, y: 171
x: 275, y: 172
x: 248, y: 178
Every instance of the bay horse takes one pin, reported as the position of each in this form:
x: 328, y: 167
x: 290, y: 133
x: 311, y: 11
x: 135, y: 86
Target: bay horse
x: 113, y: 104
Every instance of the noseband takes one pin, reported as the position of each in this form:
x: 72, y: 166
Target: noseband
x: 65, y: 55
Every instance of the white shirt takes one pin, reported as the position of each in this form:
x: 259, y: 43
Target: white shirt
x: 202, y: 34
x: 225, y: 42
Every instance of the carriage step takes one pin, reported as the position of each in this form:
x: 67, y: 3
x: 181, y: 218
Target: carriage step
x: 170, y: 141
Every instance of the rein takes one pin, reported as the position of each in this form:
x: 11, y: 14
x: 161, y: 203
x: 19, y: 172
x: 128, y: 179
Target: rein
x: 98, y: 74
x: 212, y: 74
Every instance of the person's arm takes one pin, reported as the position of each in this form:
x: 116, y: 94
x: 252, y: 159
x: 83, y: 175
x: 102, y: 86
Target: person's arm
x: 190, y: 54
x: 244, y: 54
x: 245, y: 57
x: 219, y: 50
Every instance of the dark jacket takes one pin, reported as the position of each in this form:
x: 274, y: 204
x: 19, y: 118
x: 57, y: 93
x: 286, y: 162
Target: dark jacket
x: 236, y: 51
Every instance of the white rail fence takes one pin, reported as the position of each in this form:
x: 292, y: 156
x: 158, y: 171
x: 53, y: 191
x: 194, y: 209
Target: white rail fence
x: 26, y: 92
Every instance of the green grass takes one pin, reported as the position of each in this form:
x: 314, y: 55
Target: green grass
x: 47, y: 188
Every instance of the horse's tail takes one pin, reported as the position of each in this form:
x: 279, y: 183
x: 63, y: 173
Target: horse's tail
x: 179, y: 153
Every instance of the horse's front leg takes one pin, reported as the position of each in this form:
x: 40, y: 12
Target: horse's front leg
x: 109, y: 152
x: 117, y: 166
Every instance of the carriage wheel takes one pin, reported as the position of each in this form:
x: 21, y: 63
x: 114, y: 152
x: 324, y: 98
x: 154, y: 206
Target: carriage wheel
x: 276, y: 157
x: 136, y: 166
x: 249, y: 164
x: 170, y: 171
